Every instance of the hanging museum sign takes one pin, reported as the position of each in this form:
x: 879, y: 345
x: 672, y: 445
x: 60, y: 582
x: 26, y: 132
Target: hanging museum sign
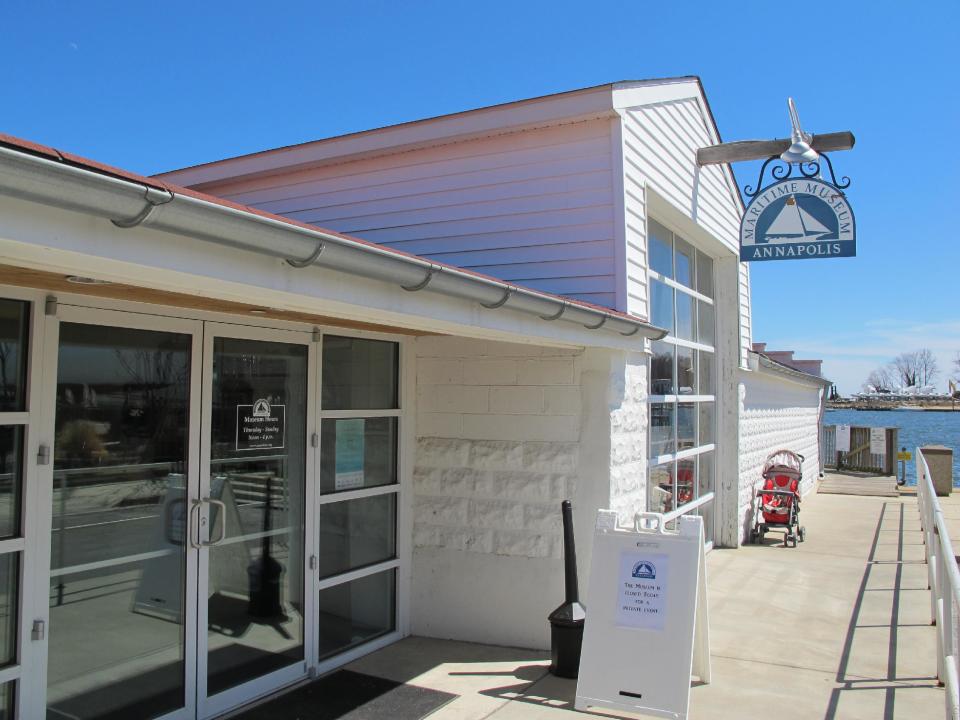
x: 798, y: 217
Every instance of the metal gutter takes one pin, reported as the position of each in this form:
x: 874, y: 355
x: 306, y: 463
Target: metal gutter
x: 46, y: 176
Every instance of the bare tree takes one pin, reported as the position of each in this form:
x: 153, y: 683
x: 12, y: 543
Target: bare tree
x: 916, y: 368
x: 926, y: 366
x: 882, y: 380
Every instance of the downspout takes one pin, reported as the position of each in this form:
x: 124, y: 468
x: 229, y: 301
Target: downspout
x: 130, y: 204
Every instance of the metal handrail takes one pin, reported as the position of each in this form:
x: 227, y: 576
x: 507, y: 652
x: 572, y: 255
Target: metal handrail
x: 943, y: 580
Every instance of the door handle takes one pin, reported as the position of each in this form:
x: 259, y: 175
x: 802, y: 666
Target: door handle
x: 193, y: 529
x: 223, y: 522
x: 196, y: 531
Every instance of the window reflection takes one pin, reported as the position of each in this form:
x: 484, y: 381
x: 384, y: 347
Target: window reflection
x: 359, y: 374
x: 14, y: 324
x: 662, y: 420
x: 11, y: 479
x: 661, y: 368
x: 258, y: 449
x: 119, y: 523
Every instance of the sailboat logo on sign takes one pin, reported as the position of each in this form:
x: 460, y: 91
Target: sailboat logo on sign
x: 798, y: 218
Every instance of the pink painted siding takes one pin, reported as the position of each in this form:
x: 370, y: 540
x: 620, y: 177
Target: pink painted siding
x: 532, y: 207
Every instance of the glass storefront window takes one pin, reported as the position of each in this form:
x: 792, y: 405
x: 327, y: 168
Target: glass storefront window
x: 359, y: 444
x: 705, y: 434
x: 356, y: 612
x: 7, y: 696
x: 704, y: 274
x: 662, y: 426
x: 705, y: 474
x: 661, y: 369
x: 684, y: 261
x: 686, y: 317
x: 661, y: 491
x: 358, y: 453
x: 705, y: 361
x: 686, y: 481
x: 686, y: 371
x: 661, y: 308
x: 686, y: 426
x: 359, y: 374
x: 661, y: 249
x: 14, y: 326
x: 9, y: 591
x: 11, y: 479
x: 707, y: 323
x: 357, y: 533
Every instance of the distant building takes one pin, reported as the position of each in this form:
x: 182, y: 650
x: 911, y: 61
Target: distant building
x: 785, y: 357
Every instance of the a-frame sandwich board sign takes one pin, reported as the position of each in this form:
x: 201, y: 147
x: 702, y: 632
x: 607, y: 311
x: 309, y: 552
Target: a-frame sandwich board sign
x: 646, y: 632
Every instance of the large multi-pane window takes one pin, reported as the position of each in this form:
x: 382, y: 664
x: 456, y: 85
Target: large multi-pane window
x: 359, y: 490
x: 682, y: 375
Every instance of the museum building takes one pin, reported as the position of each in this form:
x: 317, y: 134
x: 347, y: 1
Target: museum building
x: 265, y: 415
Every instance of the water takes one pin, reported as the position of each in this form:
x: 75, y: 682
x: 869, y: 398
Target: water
x: 916, y: 428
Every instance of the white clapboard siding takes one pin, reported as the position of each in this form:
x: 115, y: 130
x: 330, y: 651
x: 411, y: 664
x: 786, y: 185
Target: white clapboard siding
x: 659, y: 144
x: 532, y: 207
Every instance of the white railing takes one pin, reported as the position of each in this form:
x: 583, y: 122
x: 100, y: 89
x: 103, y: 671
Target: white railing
x: 943, y: 578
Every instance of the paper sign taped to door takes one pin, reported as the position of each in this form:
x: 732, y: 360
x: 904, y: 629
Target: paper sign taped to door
x: 878, y: 441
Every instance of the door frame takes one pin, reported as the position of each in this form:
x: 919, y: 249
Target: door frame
x: 48, y: 310
x: 212, y: 706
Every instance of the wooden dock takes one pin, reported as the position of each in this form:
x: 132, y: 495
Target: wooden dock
x: 834, y: 483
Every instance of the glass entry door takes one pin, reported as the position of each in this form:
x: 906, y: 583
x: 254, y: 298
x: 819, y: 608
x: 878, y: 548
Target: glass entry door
x: 122, y: 603
x: 258, y: 390
x: 178, y: 563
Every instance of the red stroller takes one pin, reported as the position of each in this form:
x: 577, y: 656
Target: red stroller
x: 779, y: 499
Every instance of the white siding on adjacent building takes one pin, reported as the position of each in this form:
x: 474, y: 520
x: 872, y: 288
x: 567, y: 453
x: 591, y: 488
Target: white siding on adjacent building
x: 532, y: 207
x: 775, y: 413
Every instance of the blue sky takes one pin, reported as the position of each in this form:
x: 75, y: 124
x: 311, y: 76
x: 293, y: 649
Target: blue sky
x: 151, y: 87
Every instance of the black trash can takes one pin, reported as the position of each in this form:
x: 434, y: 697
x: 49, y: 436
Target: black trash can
x: 566, y: 622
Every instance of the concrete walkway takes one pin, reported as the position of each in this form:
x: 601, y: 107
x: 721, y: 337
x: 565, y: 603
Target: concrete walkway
x: 836, y: 628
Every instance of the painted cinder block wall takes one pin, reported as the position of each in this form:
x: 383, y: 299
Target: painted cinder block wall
x: 505, y: 433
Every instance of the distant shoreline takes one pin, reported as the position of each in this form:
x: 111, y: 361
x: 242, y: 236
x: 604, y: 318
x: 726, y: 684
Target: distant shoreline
x: 882, y: 405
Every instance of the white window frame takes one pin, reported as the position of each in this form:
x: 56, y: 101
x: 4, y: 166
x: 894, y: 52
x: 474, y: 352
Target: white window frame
x: 400, y: 563
x: 676, y: 399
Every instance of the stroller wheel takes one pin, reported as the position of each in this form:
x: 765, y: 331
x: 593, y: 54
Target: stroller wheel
x: 753, y: 537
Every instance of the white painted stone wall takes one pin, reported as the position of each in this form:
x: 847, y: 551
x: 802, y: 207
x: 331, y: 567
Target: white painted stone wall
x: 775, y: 412
x: 498, y: 431
x: 498, y: 427
x: 504, y: 434
x: 629, y: 414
